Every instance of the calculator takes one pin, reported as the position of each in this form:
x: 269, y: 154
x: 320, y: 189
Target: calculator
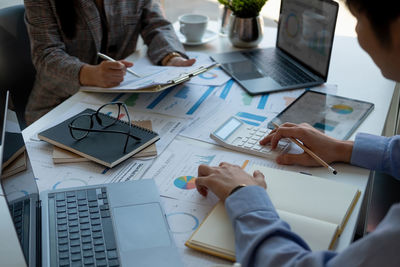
x: 236, y: 135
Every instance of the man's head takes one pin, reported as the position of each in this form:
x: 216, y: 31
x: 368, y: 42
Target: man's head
x: 378, y: 31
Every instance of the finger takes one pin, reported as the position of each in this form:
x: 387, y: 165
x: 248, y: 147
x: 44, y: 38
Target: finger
x: 283, y: 132
x: 204, y: 170
x: 288, y: 124
x: 202, y: 185
x: 127, y: 64
x: 260, y: 178
x: 301, y: 159
x: 203, y: 190
x: 267, y: 139
x: 115, y: 65
x: 226, y: 164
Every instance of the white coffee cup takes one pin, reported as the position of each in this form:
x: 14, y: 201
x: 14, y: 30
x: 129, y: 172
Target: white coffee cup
x: 193, y: 26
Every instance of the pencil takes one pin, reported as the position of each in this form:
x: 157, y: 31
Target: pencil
x: 245, y: 164
x: 309, y: 152
x: 113, y: 60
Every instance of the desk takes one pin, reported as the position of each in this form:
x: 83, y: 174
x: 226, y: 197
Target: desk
x: 351, y: 69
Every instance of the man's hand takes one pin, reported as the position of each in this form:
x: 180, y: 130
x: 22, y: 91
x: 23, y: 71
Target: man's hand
x: 223, y: 179
x: 327, y: 148
x: 106, y: 74
x: 181, y: 62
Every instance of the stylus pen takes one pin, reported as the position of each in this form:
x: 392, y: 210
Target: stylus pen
x: 113, y: 60
x: 309, y: 152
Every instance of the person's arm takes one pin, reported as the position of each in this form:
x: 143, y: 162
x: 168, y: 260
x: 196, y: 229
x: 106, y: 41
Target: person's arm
x: 50, y: 57
x: 159, y: 35
x: 48, y: 49
x: 377, y: 153
x: 263, y: 239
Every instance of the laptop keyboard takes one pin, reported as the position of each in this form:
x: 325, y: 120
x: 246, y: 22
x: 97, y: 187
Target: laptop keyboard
x: 20, y: 212
x: 279, y: 68
x: 84, y: 233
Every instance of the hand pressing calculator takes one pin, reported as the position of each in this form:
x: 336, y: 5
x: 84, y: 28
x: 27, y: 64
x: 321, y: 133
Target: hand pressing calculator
x: 236, y: 135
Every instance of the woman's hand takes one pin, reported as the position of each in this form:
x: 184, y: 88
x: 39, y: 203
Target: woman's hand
x: 106, y: 74
x: 223, y: 179
x: 180, y: 62
x: 327, y: 148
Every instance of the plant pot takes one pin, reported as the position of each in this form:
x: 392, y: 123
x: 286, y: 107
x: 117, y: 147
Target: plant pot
x: 246, y: 32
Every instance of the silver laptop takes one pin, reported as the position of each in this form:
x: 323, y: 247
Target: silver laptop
x: 302, y: 54
x: 121, y: 224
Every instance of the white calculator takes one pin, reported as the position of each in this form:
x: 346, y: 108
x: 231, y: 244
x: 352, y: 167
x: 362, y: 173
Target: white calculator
x: 236, y: 135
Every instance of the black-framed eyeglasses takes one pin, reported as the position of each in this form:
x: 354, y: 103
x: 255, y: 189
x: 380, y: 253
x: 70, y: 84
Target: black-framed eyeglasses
x: 83, y: 124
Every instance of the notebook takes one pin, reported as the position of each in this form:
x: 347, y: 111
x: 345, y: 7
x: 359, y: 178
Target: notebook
x: 16, y: 166
x: 301, y: 56
x: 64, y: 156
x: 317, y: 209
x: 104, y: 148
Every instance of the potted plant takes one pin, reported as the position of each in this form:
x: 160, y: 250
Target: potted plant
x: 246, y: 24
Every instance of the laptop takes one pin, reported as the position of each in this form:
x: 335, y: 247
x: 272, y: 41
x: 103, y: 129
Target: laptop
x: 121, y: 224
x: 301, y: 56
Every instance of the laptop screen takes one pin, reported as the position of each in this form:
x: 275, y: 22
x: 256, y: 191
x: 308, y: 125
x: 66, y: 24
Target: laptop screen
x: 306, y: 29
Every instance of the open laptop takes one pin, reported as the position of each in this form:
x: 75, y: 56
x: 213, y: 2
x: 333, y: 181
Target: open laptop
x: 121, y: 224
x: 302, y: 54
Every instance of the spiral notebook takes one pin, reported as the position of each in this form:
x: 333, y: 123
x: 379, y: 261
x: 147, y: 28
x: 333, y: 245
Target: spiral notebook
x: 104, y: 148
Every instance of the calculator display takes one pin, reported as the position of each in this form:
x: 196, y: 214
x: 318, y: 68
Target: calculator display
x: 228, y: 128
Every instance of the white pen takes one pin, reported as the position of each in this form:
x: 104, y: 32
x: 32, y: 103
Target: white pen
x: 113, y: 60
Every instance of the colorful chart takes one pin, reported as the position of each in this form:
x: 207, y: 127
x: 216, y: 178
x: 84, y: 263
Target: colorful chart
x: 208, y: 75
x: 185, y: 182
x: 182, y: 222
x: 342, y: 109
x: 131, y: 100
x: 251, y: 119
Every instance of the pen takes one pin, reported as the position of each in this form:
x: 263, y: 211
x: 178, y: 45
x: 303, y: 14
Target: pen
x: 245, y: 164
x: 309, y: 152
x: 113, y: 60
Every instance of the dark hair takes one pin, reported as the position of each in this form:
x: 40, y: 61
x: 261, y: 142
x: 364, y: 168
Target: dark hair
x: 67, y: 13
x: 381, y: 14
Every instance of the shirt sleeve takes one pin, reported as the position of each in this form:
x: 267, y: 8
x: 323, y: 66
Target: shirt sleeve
x: 377, y: 153
x: 48, y: 49
x: 263, y: 239
x: 158, y: 33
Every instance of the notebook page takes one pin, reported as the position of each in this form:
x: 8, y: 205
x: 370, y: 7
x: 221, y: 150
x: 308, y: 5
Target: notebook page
x: 307, y: 195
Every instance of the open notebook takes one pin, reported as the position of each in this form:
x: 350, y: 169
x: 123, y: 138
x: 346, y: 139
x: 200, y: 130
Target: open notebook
x: 316, y: 209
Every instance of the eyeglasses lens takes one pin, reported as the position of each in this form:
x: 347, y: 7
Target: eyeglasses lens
x: 83, y: 122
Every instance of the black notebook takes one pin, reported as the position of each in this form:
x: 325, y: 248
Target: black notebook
x: 101, y: 147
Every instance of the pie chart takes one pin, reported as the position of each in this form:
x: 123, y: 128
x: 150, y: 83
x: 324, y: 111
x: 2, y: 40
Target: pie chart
x: 342, y: 109
x: 185, y: 182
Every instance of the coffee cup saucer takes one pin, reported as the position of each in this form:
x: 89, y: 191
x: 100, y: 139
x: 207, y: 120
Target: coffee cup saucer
x: 208, y: 36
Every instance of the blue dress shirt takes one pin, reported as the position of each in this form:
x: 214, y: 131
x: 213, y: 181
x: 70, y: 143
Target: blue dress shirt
x: 263, y: 239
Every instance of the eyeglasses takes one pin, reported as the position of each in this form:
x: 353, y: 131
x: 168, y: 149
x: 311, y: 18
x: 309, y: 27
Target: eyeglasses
x: 83, y: 124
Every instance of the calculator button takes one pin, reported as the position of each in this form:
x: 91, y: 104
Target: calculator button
x: 257, y: 147
x: 263, y: 131
x: 251, y: 142
x: 266, y: 149
x: 250, y: 128
x: 259, y: 134
x: 237, y: 141
x: 245, y: 139
x: 248, y: 145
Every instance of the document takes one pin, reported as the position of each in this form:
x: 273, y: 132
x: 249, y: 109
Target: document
x: 175, y: 170
x: 184, y: 218
x: 56, y: 176
x: 154, y: 78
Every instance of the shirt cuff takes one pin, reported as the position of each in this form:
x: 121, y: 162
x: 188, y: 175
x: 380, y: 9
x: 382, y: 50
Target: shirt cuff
x: 368, y: 151
x: 248, y: 199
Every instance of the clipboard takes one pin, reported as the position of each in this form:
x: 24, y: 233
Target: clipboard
x: 153, y: 87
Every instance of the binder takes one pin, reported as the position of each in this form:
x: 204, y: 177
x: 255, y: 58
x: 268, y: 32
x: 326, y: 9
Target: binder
x: 153, y: 87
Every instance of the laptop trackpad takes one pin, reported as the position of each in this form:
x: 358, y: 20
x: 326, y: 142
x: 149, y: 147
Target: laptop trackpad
x: 141, y: 227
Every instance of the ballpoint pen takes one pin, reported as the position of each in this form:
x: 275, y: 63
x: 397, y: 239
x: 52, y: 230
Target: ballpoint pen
x: 113, y: 60
x: 309, y: 152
